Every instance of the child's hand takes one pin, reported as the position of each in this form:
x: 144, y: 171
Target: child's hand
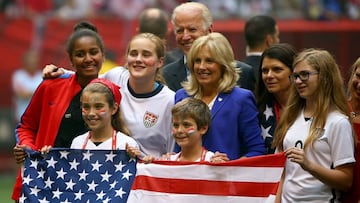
x: 132, y: 151
x: 19, y: 153
x: 45, y: 149
x: 135, y: 152
x: 219, y: 157
x: 148, y: 159
x: 166, y: 157
x: 297, y: 155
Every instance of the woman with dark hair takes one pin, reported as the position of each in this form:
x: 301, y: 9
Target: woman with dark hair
x: 272, y: 89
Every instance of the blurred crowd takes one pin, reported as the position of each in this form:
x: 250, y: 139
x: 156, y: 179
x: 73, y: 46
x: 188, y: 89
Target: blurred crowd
x: 226, y: 9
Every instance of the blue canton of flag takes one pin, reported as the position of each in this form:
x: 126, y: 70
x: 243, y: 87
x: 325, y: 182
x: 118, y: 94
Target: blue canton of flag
x: 74, y: 175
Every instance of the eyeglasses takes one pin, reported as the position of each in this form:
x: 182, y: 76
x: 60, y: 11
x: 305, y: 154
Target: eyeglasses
x: 303, y: 75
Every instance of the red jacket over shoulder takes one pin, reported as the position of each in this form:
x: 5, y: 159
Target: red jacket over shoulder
x: 40, y: 122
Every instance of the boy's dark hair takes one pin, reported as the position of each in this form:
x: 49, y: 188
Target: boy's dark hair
x: 195, y: 109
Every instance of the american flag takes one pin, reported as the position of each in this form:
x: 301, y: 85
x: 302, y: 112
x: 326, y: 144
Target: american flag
x: 250, y: 180
x: 74, y: 175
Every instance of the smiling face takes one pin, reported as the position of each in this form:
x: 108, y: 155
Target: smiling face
x: 306, y: 89
x: 275, y: 75
x: 207, y: 71
x: 355, y: 83
x: 142, y: 60
x: 189, y: 25
x: 96, y: 111
x: 87, y: 57
x: 186, y: 132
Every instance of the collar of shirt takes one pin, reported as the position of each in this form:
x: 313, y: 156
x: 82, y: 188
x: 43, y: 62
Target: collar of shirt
x: 253, y: 53
x: 187, y: 68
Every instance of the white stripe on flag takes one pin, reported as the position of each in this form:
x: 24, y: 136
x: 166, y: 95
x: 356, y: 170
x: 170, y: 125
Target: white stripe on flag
x: 211, y: 172
x: 245, y: 180
x: 158, y: 197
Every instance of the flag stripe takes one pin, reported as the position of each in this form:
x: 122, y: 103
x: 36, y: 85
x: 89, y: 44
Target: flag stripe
x: 245, y: 180
x: 277, y: 160
x: 204, y: 187
x: 208, y: 172
x: 158, y: 197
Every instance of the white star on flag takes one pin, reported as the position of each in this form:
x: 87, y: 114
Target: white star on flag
x: 34, y: 164
x: 48, y: 183
x: 265, y: 132
x: 96, y: 166
x: 51, y: 162
x: 119, y: 166
x: 61, y: 173
x: 64, y: 154
x: 41, y: 174
x: 44, y: 200
x: 110, y: 157
x: 34, y: 191
x: 56, y: 194
x: 105, y: 177
x: 27, y: 179
x: 112, y: 185
x: 70, y: 184
x: 87, y: 155
x: 74, y: 164
x: 83, y: 175
x: 100, y: 196
x: 268, y: 112
x: 92, y: 186
x: 78, y: 195
x: 120, y: 192
x: 127, y: 175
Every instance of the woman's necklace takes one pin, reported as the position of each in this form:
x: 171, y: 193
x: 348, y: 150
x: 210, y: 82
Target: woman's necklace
x: 353, y: 113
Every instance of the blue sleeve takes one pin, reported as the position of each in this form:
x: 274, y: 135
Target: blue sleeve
x: 250, y: 128
x: 180, y: 95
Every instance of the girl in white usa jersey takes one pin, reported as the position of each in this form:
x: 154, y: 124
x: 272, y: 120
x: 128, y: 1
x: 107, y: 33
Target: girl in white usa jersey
x: 315, y: 132
x: 146, y: 103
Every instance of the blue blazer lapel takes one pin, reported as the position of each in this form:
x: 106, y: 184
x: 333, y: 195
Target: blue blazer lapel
x: 221, y: 99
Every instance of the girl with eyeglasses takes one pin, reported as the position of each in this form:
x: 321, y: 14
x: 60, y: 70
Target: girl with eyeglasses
x: 315, y: 132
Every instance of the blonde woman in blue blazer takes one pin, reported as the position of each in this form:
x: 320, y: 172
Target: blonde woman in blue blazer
x: 234, y: 127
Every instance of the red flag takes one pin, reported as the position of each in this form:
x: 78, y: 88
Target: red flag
x: 246, y: 180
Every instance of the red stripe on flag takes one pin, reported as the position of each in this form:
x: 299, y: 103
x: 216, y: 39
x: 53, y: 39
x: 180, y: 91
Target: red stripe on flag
x: 272, y: 160
x: 204, y: 187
